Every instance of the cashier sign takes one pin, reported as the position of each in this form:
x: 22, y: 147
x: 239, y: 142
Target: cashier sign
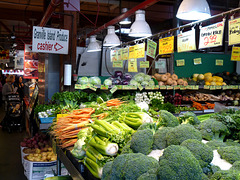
x: 50, y: 40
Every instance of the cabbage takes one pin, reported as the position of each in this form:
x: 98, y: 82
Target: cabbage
x: 139, y: 77
x: 95, y: 80
x: 107, y: 82
x: 147, y: 78
x: 144, y: 83
x: 83, y: 80
x: 151, y: 83
x: 133, y: 82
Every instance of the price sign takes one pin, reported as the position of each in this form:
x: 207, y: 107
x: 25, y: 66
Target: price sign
x: 113, y: 55
x: 186, y: 41
x: 206, y: 87
x: 140, y: 50
x: 140, y: 87
x: 119, y: 55
x: 219, y: 62
x: 197, y: 61
x: 132, y: 65
x: 182, y: 87
x: 235, y: 54
x: 180, y: 62
x: 131, y: 52
x: 176, y: 87
x: 144, y: 64
x: 211, y: 36
x: 103, y: 87
x: 117, y: 64
x: 169, y: 87
x: 151, y: 48
x: 166, y: 45
x: 212, y: 87
x: 234, y: 31
x: 218, y: 87
x: 119, y: 87
x: 125, y: 53
x: 77, y: 86
x: 114, y: 89
x: 163, y: 87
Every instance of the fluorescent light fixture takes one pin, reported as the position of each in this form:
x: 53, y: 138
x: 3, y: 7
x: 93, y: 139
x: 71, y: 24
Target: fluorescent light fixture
x: 14, y: 44
x: 126, y: 20
x: 13, y: 36
x: 93, y: 45
x: 123, y: 31
x: 193, y: 10
x: 111, y: 38
x: 140, y: 27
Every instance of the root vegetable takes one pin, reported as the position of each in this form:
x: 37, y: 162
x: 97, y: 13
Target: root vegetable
x: 160, y: 83
x: 169, y: 81
x: 168, y: 75
x: 157, y: 76
x: 185, y: 83
x: 174, y: 83
x: 174, y: 77
x: 180, y: 81
x: 164, y: 78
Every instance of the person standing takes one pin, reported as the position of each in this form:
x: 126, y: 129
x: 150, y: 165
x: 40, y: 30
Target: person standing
x: 8, y: 87
x: 20, y: 87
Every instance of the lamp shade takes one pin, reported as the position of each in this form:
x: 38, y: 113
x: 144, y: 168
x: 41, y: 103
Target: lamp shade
x: 111, y: 38
x: 140, y: 27
x: 126, y: 20
x: 193, y: 10
x: 93, y: 45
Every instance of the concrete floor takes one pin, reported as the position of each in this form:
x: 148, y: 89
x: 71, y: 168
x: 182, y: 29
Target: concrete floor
x: 11, y: 167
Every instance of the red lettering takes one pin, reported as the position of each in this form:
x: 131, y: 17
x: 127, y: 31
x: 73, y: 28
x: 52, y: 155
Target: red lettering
x: 44, y: 46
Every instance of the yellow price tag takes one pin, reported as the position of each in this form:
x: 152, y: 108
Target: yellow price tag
x: 235, y: 54
x: 166, y: 45
x: 132, y: 65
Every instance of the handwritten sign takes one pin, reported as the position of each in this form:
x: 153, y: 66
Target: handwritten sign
x: 117, y: 64
x: 219, y: 62
x: 113, y: 55
x: 140, y: 50
x: 197, y: 61
x: 235, y: 54
x: 166, y: 45
x: 211, y: 36
x: 234, y: 31
x: 125, y: 54
x: 186, y: 41
x: 180, y: 62
x: 144, y: 64
x: 132, y: 65
x: 151, y: 48
x: 131, y: 52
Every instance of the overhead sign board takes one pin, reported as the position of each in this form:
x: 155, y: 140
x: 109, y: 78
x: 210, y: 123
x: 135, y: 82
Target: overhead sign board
x: 50, y: 40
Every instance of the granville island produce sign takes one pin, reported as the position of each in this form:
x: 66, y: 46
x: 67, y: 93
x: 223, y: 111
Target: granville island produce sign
x: 50, y: 40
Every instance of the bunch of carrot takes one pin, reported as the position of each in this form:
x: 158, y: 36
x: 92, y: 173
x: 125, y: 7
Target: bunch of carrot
x: 114, y: 102
x: 67, y: 128
x: 207, y: 105
x: 197, y: 105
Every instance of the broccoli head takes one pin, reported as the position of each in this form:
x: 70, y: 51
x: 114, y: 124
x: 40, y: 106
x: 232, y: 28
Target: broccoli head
x: 212, y: 129
x: 107, y: 170
x: 236, y: 166
x: 204, y: 177
x: 159, y: 138
x: 167, y: 119
x: 142, y: 141
x: 180, y: 133
x: 226, y: 175
x: 210, y: 170
x: 231, y: 143
x: 179, y: 163
x: 127, y: 149
x: 149, y: 175
x: 215, y: 144
x: 131, y: 166
x: 189, y: 118
x: 202, y: 152
x: 230, y: 153
x: 151, y: 126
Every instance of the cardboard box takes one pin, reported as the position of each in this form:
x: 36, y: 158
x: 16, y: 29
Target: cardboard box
x: 37, y: 170
x: 22, y: 154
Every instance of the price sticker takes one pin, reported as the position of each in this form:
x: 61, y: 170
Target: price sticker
x: 149, y: 87
x: 197, y: 61
x: 218, y: 87
x: 132, y: 65
x: 166, y: 45
x: 114, y: 89
x: 151, y: 48
x: 156, y: 87
x: 94, y: 88
x: 224, y: 87
x: 133, y: 87
x: 77, y: 86
x: 144, y: 64
x: 117, y: 64
x: 206, y: 87
x: 176, y: 87
x: 219, y: 62
x: 103, y: 87
x: 235, y: 87
x: 169, y: 87
x: 195, y: 88
x: 212, y: 87
x: 119, y: 87
x: 163, y: 87
x: 182, y: 87
x: 125, y: 87
x: 140, y: 87
x: 180, y: 62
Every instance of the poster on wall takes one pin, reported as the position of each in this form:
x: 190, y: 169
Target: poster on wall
x: 211, y: 36
x: 4, y: 56
x: 186, y: 41
x: 234, y: 31
x: 19, y: 60
x: 30, y: 63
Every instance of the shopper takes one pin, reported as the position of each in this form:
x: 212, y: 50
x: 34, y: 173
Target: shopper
x: 20, y: 87
x: 8, y: 87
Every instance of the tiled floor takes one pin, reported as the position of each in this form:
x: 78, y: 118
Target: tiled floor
x: 10, y: 158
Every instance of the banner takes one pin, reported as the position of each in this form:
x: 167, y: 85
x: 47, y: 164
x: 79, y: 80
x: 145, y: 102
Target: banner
x: 211, y: 36
x: 30, y: 63
x: 234, y: 31
x: 186, y: 41
x: 166, y: 45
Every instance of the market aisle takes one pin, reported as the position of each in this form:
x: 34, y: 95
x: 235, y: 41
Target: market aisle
x: 10, y: 158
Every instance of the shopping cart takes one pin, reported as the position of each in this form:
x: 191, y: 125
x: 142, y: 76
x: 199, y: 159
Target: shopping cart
x: 13, y: 119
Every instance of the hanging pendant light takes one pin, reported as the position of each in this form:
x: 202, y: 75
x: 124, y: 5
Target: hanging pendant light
x: 140, y: 27
x: 126, y: 20
x: 93, y: 45
x: 193, y: 10
x: 111, y: 38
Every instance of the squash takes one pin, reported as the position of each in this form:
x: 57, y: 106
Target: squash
x: 185, y: 83
x: 213, y: 83
x: 164, y: 78
x: 168, y: 75
x: 180, y: 82
x: 157, y: 76
x: 208, y: 74
x: 169, y: 81
x: 208, y: 79
x: 207, y: 83
x: 174, y: 77
x: 174, y: 83
x: 160, y: 83
x: 200, y: 77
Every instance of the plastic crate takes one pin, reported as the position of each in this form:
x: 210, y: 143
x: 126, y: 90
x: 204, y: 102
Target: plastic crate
x: 46, y: 120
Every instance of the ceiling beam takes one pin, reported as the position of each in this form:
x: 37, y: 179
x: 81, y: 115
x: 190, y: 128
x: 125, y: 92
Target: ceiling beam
x: 5, y: 27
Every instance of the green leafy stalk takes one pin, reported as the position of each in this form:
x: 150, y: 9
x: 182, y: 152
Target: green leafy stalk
x: 93, y: 167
